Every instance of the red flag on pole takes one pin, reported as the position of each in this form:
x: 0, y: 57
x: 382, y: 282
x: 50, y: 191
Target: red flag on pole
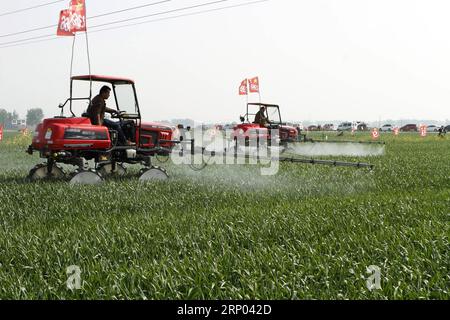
x: 243, y: 90
x: 396, y: 131
x: 375, y: 133
x: 64, y: 28
x: 423, y: 131
x: 73, y: 19
x: 254, y: 84
x: 78, y: 8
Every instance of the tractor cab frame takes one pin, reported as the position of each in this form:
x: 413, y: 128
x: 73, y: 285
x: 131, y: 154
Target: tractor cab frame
x: 273, y: 114
x: 116, y: 84
x: 75, y: 140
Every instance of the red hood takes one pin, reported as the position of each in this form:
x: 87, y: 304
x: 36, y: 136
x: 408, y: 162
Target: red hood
x: 287, y: 127
x: 158, y: 125
x: 248, y: 126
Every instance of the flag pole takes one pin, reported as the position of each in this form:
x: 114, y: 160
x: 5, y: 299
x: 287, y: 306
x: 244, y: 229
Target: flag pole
x: 73, y: 51
x: 247, y: 84
x: 88, y: 55
x: 259, y: 90
x: 71, y: 71
x: 89, y: 65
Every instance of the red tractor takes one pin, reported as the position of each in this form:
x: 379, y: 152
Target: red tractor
x: 75, y: 141
x: 249, y: 130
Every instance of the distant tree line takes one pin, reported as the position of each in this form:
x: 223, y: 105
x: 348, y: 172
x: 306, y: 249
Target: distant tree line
x: 9, y: 119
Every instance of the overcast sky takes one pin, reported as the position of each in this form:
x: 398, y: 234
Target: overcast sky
x: 317, y: 59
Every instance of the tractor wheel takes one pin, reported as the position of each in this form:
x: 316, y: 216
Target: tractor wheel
x: 153, y: 174
x: 86, y: 177
x: 162, y: 158
x: 105, y: 170
x: 40, y: 172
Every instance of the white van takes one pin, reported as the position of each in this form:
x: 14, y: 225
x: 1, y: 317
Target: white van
x: 345, y: 126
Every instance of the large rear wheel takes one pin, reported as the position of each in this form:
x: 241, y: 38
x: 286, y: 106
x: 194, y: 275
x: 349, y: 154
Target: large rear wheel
x: 162, y: 158
x: 41, y: 172
x: 106, y: 170
x: 153, y: 174
x: 86, y: 177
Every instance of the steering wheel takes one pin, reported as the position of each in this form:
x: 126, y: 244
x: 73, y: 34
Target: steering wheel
x: 118, y: 114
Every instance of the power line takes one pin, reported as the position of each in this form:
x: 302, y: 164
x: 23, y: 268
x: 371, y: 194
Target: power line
x: 31, y: 42
x: 89, y: 18
x: 144, y: 22
x: 127, y: 20
x: 22, y: 40
x: 183, y: 15
x: 30, y: 8
x: 128, y: 9
x: 156, y: 14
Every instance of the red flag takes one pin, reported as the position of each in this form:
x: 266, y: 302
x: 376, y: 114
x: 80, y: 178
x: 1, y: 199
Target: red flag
x: 64, y: 28
x: 73, y: 19
x: 423, y: 131
x: 78, y: 21
x: 375, y: 133
x: 243, y: 90
x: 1, y: 133
x: 254, y: 84
x: 396, y: 131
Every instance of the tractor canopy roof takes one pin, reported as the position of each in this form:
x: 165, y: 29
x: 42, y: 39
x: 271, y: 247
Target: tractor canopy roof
x: 263, y: 104
x: 112, y: 80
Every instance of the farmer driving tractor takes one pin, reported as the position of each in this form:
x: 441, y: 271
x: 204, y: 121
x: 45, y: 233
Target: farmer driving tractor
x: 96, y: 112
x: 260, y: 117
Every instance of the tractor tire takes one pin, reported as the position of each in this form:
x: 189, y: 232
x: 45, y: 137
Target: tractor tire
x: 153, y: 173
x: 162, y: 158
x: 40, y: 172
x: 86, y: 177
x: 105, y: 170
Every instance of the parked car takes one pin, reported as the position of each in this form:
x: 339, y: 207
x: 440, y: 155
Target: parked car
x: 387, y: 128
x: 432, y: 128
x: 409, y: 128
x: 447, y: 128
x: 360, y: 126
x: 313, y: 128
x: 328, y: 127
x: 345, y: 126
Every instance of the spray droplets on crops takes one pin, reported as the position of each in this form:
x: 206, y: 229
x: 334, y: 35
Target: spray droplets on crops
x: 337, y: 149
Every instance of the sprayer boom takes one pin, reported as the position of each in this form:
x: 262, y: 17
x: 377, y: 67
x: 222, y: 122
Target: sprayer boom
x: 327, y: 162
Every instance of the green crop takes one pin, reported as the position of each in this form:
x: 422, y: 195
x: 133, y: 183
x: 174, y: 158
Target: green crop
x: 226, y: 232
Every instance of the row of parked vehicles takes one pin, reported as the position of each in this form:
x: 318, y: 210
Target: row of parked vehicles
x: 412, y: 128
x: 361, y: 126
x: 344, y: 126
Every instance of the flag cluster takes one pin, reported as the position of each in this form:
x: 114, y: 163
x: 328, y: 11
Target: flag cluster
x: 396, y: 131
x: 375, y: 133
x: 72, y: 20
x: 423, y: 130
x: 249, y: 85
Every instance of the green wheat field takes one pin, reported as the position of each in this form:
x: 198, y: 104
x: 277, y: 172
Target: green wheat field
x: 226, y: 232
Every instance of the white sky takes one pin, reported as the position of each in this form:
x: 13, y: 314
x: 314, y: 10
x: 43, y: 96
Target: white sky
x: 318, y: 59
